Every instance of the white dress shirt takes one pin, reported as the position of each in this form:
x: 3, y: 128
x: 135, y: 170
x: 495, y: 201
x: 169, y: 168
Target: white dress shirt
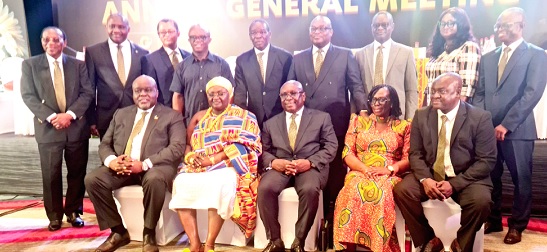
x: 297, y: 119
x: 513, y: 47
x: 169, y: 51
x: 264, y: 57
x: 385, y: 53
x: 126, y: 51
x: 451, y: 116
x: 314, y: 52
x: 50, y: 61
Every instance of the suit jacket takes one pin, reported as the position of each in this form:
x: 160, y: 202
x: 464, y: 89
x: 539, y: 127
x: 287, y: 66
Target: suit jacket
x: 315, y: 140
x: 158, y: 66
x: 38, y: 94
x: 473, y: 149
x: 400, y: 74
x: 110, y: 93
x: 251, y: 92
x: 521, y: 87
x: 163, y: 142
x: 329, y: 93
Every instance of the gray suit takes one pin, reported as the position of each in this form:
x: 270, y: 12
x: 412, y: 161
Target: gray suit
x: 400, y: 74
x: 39, y: 95
x: 163, y: 143
x: 511, y: 104
x: 316, y: 142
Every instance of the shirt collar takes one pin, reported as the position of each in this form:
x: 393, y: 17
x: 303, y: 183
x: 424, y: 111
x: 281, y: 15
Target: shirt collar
x: 114, y: 45
x: 298, y: 113
x: 325, y: 48
x: 51, y: 59
x: 386, y: 44
x: 513, y: 45
x: 169, y: 50
x: 451, y: 114
x: 265, y: 51
x: 209, y: 57
x: 139, y: 110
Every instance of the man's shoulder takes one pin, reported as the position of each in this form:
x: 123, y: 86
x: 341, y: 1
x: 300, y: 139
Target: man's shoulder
x: 34, y: 59
x: 245, y: 55
x: 279, y: 50
x: 402, y: 47
x: 138, y: 49
x: 97, y: 47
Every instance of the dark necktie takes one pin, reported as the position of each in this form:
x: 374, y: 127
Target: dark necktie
x: 438, y: 166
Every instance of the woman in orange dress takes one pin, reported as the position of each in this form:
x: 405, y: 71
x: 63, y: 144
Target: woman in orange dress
x: 376, y: 151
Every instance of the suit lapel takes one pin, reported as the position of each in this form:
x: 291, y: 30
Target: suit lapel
x: 134, y: 69
x: 330, y: 57
x: 369, y: 51
x: 164, y: 58
x: 433, y: 123
x: 154, y: 117
x: 255, y: 67
x: 309, y: 71
x: 304, y: 122
x: 47, y: 87
x: 272, y: 56
x: 69, y: 71
x: 282, y: 124
x: 127, y: 126
x: 458, y: 122
x: 393, y: 51
x: 107, y: 55
x: 515, y: 57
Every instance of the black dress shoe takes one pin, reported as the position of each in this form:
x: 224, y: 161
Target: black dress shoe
x: 490, y: 227
x: 297, y: 246
x: 149, y: 243
x: 75, y: 220
x: 54, y: 225
x: 113, y: 242
x: 276, y: 246
x: 513, y: 236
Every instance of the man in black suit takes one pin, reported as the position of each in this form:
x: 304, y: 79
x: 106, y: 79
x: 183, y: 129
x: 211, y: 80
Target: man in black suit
x: 297, y: 147
x: 259, y: 74
x: 112, y: 64
x: 143, y: 145
x: 452, y: 152
x: 57, y: 90
x: 161, y: 64
x: 327, y: 73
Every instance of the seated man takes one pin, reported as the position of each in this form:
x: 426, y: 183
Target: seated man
x: 297, y: 147
x: 143, y: 145
x: 452, y: 151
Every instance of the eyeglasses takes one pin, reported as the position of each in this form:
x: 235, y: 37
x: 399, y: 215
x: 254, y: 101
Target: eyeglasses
x: 256, y: 33
x: 169, y: 32
x: 196, y: 38
x: 319, y: 29
x: 381, y: 100
x: 145, y: 90
x: 504, y: 26
x: 217, y: 94
x: 294, y: 95
x: 448, y: 24
x: 376, y: 26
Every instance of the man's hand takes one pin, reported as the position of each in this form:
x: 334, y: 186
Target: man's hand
x: 61, y: 121
x: 301, y: 165
x: 500, y: 132
x: 134, y: 165
x: 431, y: 190
x: 280, y: 165
x: 119, y: 165
x: 445, y: 187
x: 94, y: 130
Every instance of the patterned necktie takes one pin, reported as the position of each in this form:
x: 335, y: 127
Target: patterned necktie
x: 292, y: 131
x: 503, y: 63
x: 136, y: 130
x: 438, y: 166
x: 174, y: 59
x: 59, y: 87
x: 318, y: 62
x: 121, y: 65
x: 261, y: 65
x: 379, y: 67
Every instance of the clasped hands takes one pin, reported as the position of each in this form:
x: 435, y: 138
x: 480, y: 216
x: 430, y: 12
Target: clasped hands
x: 199, y: 160
x: 437, y: 190
x: 125, y: 165
x: 61, y: 121
x: 291, y: 167
x: 375, y: 172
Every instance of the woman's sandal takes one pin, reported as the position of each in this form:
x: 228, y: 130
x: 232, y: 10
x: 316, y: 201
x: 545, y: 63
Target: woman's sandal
x: 209, y: 248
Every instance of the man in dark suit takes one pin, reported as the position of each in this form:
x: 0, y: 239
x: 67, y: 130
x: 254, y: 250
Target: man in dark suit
x: 452, y: 152
x: 327, y: 73
x: 297, y: 147
x: 259, y: 74
x: 57, y: 90
x: 161, y: 64
x: 112, y: 64
x: 511, y: 81
x: 143, y: 145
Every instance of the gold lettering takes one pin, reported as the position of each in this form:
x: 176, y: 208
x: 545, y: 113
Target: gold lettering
x: 276, y: 6
x: 291, y: 8
x: 427, y: 4
x: 331, y: 5
x: 235, y: 8
x: 253, y: 8
x: 130, y: 12
x: 350, y: 9
x: 310, y: 5
x: 109, y: 9
x: 382, y: 5
x: 408, y: 5
x: 446, y: 4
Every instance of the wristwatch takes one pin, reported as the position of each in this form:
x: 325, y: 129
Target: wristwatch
x: 391, y: 169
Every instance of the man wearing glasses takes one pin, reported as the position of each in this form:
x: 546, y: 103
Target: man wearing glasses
x: 161, y: 64
x: 512, y: 80
x: 191, y: 76
x: 260, y: 72
x: 385, y: 61
x: 327, y: 73
x: 112, y: 66
x: 297, y: 147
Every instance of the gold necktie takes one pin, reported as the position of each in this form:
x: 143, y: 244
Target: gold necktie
x: 503, y: 63
x: 136, y: 130
x: 121, y: 65
x: 438, y: 166
x: 174, y: 59
x: 59, y: 87
x: 261, y: 65
x: 292, y: 131
x: 318, y: 62
x: 379, y: 67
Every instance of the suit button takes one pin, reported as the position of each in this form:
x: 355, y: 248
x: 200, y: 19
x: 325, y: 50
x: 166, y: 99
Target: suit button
x: 264, y: 93
x: 306, y: 84
x: 294, y: 157
x: 201, y: 91
x: 201, y: 78
x: 325, y: 97
x: 330, y: 83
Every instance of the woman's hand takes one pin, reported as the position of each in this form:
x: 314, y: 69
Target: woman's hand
x: 380, y: 172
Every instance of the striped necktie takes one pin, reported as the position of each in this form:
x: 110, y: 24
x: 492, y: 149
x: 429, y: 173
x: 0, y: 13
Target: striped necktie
x: 59, y: 86
x: 292, y: 131
x: 261, y: 65
x: 318, y: 62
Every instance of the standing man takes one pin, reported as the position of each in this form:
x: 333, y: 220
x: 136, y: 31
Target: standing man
x: 260, y: 72
x: 112, y: 66
x: 191, y: 76
x: 143, y: 145
x: 385, y: 61
x: 56, y: 88
x: 327, y: 73
x: 161, y: 64
x: 452, y: 152
x: 512, y: 80
x: 298, y: 146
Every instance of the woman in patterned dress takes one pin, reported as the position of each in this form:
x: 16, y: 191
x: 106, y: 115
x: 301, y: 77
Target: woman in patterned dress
x: 376, y: 152
x: 220, y: 167
x: 453, y: 49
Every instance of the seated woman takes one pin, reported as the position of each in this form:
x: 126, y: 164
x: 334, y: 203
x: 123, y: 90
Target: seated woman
x: 220, y: 167
x: 376, y: 151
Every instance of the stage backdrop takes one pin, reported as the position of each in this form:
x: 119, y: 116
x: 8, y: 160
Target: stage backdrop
x: 228, y: 20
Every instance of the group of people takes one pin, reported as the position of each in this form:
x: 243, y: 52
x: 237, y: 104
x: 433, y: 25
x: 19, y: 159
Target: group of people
x: 178, y: 121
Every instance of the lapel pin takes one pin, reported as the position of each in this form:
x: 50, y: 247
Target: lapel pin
x: 156, y: 117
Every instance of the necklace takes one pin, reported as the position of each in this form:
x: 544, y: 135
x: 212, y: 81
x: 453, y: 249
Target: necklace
x: 210, y: 126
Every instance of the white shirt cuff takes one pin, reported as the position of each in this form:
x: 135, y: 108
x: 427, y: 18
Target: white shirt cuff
x: 71, y: 114
x: 109, y: 159
x: 148, y: 162
x: 48, y: 119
